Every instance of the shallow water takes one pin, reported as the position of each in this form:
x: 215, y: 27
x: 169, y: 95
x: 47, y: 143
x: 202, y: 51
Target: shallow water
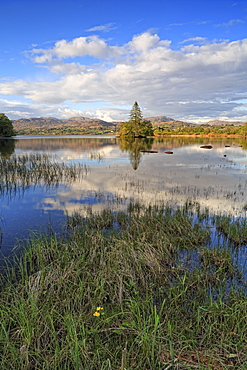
x: 120, y: 171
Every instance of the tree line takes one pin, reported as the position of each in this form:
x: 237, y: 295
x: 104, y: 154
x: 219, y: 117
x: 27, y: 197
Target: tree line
x: 135, y: 127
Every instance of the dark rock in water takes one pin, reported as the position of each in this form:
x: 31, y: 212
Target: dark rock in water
x: 149, y: 151
x: 224, y: 155
x: 168, y: 152
x: 227, y: 146
x: 206, y: 147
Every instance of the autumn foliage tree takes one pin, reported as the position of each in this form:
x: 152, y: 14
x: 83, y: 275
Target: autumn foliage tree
x: 6, y: 126
x: 136, y: 126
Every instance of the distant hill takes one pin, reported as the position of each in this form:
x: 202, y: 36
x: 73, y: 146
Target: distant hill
x: 164, y: 121
x: 159, y: 120
x: 49, y: 122
x: 49, y: 125
x: 218, y: 122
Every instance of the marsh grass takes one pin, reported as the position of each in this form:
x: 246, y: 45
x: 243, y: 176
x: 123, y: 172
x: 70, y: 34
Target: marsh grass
x: 116, y: 294
x: 96, y: 155
x: 234, y: 229
x: 21, y: 171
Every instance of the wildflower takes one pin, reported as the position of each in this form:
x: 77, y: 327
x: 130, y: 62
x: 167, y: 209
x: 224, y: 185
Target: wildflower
x: 96, y: 313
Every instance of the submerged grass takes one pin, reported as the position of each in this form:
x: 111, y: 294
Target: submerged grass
x: 234, y: 229
x: 123, y: 291
x: 21, y: 171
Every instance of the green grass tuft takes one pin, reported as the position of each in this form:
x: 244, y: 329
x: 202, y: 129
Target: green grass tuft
x: 133, y: 290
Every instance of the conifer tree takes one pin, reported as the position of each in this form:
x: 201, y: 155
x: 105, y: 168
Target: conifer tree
x: 136, y: 126
x: 135, y: 114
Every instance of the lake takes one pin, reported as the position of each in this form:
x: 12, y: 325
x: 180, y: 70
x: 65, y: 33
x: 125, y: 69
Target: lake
x: 115, y: 172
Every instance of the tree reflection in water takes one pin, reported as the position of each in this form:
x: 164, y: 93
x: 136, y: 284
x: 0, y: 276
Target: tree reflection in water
x: 135, y: 147
x: 7, y: 147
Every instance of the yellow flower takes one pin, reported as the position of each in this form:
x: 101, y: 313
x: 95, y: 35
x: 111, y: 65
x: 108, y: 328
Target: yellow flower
x: 99, y: 308
x: 96, y: 314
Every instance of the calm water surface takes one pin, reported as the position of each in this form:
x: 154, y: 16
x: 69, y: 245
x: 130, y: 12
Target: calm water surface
x: 120, y: 171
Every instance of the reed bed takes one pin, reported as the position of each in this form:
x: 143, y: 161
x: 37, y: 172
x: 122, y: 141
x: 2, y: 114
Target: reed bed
x: 234, y: 229
x: 131, y: 290
x: 21, y: 171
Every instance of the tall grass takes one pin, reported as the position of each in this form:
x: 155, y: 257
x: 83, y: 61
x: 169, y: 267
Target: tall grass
x: 133, y: 290
x: 21, y: 171
x: 234, y: 229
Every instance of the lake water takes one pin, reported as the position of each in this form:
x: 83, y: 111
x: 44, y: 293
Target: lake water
x: 170, y: 170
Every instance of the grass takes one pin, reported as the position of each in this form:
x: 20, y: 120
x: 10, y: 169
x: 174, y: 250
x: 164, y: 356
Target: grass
x: 96, y: 155
x: 133, y: 290
x: 234, y: 229
x: 21, y: 171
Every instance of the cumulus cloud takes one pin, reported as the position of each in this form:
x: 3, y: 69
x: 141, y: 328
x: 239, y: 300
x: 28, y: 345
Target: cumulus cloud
x: 15, y: 109
x: 201, y: 79
x: 143, y: 42
x: 67, y: 68
x: 78, y: 47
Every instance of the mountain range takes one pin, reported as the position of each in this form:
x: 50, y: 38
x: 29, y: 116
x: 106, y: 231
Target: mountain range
x: 85, y: 123
x: 49, y: 122
x: 218, y: 122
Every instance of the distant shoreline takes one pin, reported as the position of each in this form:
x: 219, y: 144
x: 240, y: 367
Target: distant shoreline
x: 210, y: 135
x: 232, y: 136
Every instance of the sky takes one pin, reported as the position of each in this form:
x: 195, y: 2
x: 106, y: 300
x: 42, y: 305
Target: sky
x: 182, y: 59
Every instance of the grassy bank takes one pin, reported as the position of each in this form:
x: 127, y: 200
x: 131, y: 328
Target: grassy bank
x: 139, y: 289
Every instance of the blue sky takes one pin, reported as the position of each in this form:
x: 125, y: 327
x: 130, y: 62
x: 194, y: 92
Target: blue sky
x: 183, y: 59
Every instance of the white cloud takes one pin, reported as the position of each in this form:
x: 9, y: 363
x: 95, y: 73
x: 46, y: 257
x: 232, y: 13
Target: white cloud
x: 67, y: 68
x: 143, y: 42
x: 230, y: 23
x: 197, y: 80
x: 198, y: 39
x: 16, y: 109
x: 103, y: 28
x: 80, y: 46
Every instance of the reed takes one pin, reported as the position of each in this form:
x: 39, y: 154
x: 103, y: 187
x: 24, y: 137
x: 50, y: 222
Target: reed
x: 96, y: 155
x: 19, y: 172
x: 132, y: 290
x: 233, y: 229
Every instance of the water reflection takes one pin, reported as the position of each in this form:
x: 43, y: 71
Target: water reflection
x: 212, y: 177
x: 135, y: 147
x: 7, y: 147
x: 17, y: 173
x: 66, y: 143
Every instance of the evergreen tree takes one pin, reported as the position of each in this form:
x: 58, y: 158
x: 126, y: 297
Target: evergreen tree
x: 136, y: 126
x: 135, y: 114
x: 6, y: 126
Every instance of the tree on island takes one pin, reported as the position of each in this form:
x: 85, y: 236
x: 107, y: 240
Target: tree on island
x: 136, y: 126
x: 6, y: 126
x: 243, y: 129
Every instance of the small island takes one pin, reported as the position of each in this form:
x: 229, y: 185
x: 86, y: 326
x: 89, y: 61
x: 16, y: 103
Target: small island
x: 136, y: 125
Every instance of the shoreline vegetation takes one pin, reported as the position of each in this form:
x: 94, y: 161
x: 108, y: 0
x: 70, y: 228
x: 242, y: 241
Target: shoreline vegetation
x: 135, y: 127
x: 143, y: 288
x: 209, y: 132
